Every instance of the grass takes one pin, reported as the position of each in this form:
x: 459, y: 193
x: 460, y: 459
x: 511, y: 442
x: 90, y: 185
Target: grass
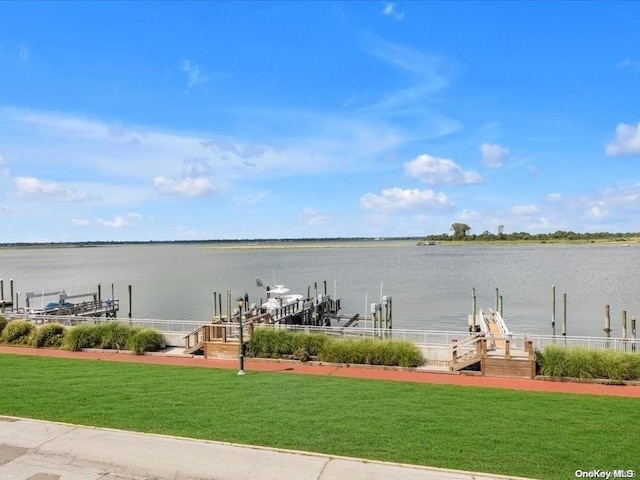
x: 540, y: 435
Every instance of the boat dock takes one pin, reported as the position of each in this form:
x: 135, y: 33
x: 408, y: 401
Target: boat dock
x: 41, y: 306
x: 489, y: 350
x: 280, y: 308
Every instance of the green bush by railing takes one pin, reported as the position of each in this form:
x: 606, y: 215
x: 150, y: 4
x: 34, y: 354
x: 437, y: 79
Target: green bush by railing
x: 82, y: 336
x: 579, y: 362
x: 49, y: 335
x: 145, y: 340
x: 3, y: 323
x: 113, y: 335
x: 267, y: 343
x: 371, y: 351
x: 18, y: 332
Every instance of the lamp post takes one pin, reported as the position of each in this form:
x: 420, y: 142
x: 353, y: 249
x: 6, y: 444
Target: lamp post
x: 241, y: 356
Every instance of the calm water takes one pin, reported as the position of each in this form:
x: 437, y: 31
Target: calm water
x: 430, y: 285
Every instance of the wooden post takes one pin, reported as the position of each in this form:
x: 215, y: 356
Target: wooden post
x: 11, y: 290
x: 215, y: 304
x: 497, y: 300
x: 99, y: 294
x: 507, y: 348
x: 553, y: 310
x: 633, y: 333
x: 624, y: 329
x: 501, y: 307
x: 130, y: 303
x: 473, y: 310
x: 564, y: 315
x: 607, y: 322
x: 2, y: 295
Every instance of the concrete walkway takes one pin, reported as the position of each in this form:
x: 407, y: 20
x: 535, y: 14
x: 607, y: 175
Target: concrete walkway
x: 35, y: 450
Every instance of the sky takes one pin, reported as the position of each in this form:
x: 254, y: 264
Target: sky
x: 137, y: 121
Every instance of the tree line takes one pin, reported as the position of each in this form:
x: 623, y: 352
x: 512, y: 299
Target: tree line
x: 460, y: 232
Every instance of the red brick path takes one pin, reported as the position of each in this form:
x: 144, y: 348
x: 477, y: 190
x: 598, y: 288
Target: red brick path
x: 341, y: 371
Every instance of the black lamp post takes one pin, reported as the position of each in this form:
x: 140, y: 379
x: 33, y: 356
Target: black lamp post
x: 241, y: 355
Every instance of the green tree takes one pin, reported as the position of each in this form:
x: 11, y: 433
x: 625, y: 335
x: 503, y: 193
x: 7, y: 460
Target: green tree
x: 460, y: 230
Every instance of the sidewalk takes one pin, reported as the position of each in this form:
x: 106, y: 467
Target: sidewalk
x: 35, y: 450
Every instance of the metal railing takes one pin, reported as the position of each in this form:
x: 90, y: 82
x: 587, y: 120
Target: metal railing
x: 419, y: 337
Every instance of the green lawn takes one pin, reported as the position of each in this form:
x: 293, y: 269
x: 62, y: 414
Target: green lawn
x: 537, y: 435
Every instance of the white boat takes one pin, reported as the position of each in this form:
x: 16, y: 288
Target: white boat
x: 279, y: 301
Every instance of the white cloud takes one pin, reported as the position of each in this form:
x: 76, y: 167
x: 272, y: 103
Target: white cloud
x: 5, y: 211
x: 434, y: 171
x: 80, y: 222
x: 120, y: 221
x: 185, y: 187
x: 493, y: 155
x: 628, y: 63
x: 524, y: 210
x: 598, y: 211
x: 183, y: 233
x: 194, y: 75
x: 23, y: 53
x: 35, y: 188
x: 554, y: 197
x: 390, y: 10
x: 313, y: 217
x: 4, y: 170
x: 396, y: 199
x: 467, y: 215
x: 627, y: 141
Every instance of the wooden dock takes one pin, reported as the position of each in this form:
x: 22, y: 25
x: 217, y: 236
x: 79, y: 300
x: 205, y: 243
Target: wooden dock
x: 489, y: 351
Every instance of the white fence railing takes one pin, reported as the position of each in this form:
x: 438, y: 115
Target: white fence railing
x: 419, y: 337
x: 592, y: 343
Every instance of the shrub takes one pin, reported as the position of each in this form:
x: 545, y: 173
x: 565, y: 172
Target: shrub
x: 270, y: 343
x: 49, y: 335
x: 18, y: 332
x: 3, y: 323
x: 115, y: 335
x: 145, y: 340
x: 82, y: 336
x: 372, y: 352
x: 553, y: 361
x: 579, y: 362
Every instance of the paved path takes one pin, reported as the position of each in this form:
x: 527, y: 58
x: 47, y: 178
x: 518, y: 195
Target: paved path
x: 35, y: 450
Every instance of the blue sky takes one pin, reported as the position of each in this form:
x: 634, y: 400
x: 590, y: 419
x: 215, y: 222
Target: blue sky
x: 220, y: 120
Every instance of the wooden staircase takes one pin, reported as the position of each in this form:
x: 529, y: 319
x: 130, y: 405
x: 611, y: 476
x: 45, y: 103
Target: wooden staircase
x: 494, y: 362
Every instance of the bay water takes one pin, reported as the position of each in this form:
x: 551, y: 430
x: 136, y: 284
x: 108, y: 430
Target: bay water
x: 431, y: 286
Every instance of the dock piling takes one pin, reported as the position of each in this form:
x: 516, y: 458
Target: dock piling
x: 564, y: 315
x: 607, y: 322
x: 130, y: 303
x: 553, y: 310
x: 624, y: 328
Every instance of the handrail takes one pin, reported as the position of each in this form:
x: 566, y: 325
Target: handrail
x: 419, y: 337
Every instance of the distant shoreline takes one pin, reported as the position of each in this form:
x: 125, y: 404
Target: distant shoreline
x: 360, y: 242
